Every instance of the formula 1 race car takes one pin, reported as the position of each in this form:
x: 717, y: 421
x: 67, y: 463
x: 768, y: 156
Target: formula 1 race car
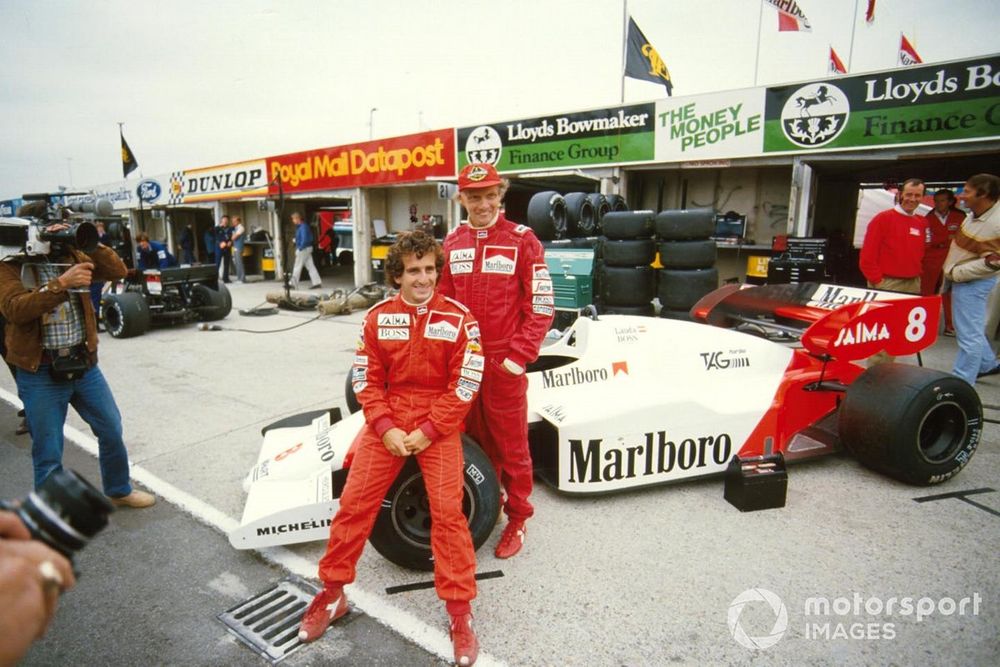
x: 621, y: 401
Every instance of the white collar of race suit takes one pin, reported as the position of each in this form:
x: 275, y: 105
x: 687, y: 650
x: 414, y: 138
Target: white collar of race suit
x: 492, y: 222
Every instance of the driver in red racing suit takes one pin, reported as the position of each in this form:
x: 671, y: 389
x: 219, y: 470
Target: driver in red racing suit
x: 497, y: 269
x: 415, y: 375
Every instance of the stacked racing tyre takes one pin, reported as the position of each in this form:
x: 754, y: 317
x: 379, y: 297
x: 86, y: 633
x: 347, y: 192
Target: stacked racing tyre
x: 625, y: 280
x: 687, y: 254
x: 547, y: 215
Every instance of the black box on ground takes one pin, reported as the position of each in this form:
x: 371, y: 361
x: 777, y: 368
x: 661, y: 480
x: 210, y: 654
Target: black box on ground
x: 756, y: 483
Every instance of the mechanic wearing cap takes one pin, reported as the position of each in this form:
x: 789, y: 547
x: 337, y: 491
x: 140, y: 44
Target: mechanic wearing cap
x: 497, y: 269
x: 411, y: 375
x: 893, y: 250
x: 51, y: 337
x: 972, y: 265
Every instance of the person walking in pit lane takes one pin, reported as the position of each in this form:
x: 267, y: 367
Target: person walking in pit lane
x: 408, y: 376
x: 497, y: 269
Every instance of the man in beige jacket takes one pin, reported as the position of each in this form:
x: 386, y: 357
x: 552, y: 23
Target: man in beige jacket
x: 972, y: 265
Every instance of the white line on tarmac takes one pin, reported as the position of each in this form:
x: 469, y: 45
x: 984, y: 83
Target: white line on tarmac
x: 403, y: 622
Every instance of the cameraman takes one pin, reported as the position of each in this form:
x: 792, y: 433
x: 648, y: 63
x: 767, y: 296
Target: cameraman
x: 31, y: 578
x: 51, y: 337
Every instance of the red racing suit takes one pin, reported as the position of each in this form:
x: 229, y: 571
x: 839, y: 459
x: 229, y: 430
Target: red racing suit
x: 415, y: 367
x: 939, y: 236
x: 499, y: 273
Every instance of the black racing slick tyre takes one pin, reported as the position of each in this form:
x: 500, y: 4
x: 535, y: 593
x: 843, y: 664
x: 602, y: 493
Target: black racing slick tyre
x: 616, y: 203
x: 646, y: 310
x: 580, y: 215
x: 210, y: 304
x: 402, y: 532
x: 682, y: 315
x: 601, y: 208
x: 125, y: 315
x: 685, y: 224
x: 637, y: 252
x: 302, y: 419
x: 628, y: 225
x: 353, y: 405
x: 626, y: 286
x: 679, y: 289
x: 914, y: 424
x: 547, y: 215
x: 687, y: 254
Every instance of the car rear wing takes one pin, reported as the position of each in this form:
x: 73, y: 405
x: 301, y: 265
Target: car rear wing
x: 179, y: 275
x: 844, y: 322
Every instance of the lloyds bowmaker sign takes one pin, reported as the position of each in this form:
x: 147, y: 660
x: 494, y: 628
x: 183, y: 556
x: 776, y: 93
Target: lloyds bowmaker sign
x: 588, y: 138
x: 914, y: 105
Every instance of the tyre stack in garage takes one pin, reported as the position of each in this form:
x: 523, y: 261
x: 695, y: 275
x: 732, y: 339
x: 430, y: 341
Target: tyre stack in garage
x: 624, y: 279
x: 547, y: 215
x: 688, y: 254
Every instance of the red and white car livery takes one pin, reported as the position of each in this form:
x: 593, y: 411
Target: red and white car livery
x: 621, y: 401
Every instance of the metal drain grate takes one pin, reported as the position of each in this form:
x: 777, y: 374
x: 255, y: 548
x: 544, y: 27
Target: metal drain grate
x: 269, y: 622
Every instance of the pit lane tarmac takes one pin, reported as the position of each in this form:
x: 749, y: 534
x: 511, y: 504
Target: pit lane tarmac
x: 650, y: 577
x: 152, y: 583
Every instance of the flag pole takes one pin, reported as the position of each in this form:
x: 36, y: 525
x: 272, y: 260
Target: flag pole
x: 756, y: 60
x: 854, y: 29
x: 624, y: 46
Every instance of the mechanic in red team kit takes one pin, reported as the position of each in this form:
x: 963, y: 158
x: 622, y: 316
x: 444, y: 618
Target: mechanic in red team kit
x: 942, y: 223
x: 415, y: 376
x: 497, y: 269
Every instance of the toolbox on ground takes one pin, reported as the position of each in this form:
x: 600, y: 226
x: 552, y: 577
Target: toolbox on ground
x: 757, y: 482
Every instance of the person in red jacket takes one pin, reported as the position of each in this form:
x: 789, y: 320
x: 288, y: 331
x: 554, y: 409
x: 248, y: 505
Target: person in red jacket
x: 497, y: 269
x: 942, y: 223
x: 411, y: 375
x: 893, y: 250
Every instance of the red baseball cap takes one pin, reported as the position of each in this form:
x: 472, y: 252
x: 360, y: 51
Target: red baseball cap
x: 480, y: 175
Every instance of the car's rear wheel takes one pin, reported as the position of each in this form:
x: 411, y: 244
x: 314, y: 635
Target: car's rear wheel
x: 210, y: 304
x: 917, y: 425
x: 402, y: 532
x: 125, y: 315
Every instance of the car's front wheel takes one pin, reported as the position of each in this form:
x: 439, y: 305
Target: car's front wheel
x: 402, y: 532
x: 914, y: 424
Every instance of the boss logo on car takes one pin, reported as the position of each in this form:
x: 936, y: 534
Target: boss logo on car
x: 656, y: 455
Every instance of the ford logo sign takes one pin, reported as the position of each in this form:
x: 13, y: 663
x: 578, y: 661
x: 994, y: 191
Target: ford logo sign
x: 149, y: 191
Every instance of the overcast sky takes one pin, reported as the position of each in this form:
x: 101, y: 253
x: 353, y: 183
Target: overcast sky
x: 204, y: 83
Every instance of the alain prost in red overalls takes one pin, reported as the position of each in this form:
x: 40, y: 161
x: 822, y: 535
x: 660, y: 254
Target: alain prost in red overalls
x: 415, y: 373
x: 497, y: 269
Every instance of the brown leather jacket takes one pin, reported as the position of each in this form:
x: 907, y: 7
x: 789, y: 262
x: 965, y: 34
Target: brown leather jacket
x: 23, y: 308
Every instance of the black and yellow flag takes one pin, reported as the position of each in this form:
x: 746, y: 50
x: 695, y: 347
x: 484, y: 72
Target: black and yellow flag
x: 642, y: 61
x: 128, y: 159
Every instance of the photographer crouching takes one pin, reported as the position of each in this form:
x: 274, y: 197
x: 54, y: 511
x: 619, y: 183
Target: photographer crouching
x: 51, y: 337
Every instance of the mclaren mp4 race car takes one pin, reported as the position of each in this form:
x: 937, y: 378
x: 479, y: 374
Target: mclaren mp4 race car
x: 623, y: 401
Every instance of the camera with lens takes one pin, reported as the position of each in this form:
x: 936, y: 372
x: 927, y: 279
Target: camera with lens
x: 30, y: 232
x: 65, y: 512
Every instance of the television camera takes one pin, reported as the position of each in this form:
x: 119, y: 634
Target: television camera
x: 31, y: 233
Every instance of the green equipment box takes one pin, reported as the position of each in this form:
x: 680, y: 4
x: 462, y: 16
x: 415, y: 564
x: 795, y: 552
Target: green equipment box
x: 572, y: 271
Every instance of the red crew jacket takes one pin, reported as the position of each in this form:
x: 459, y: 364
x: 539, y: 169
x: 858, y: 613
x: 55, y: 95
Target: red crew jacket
x: 893, y: 246
x: 500, y: 274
